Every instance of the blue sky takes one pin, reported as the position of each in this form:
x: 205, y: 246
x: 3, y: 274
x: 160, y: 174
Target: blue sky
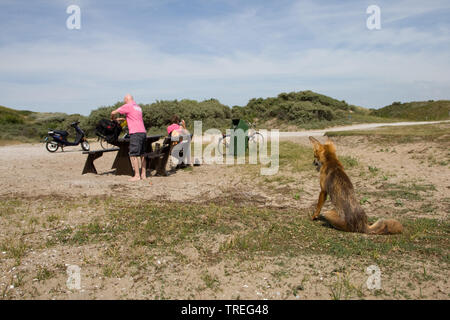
x: 230, y: 50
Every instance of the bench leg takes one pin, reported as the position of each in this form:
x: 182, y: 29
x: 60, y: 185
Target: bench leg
x: 114, y: 165
x: 122, y: 164
x: 89, y: 164
x: 162, y: 161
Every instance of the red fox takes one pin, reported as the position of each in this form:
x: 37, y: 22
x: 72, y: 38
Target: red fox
x: 348, y: 215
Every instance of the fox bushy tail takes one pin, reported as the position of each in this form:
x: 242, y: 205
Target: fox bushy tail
x: 385, y: 226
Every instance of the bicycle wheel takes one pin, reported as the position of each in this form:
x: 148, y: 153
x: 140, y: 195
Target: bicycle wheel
x: 223, y: 144
x: 104, y: 144
x: 256, y: 138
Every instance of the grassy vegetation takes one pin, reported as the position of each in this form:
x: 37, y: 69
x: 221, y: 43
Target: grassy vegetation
x: 403, y: 194
x: 157, y: 115
x: 28, y: 126
x: 137, y: 238
x: 123, y: 237
x: 416, y: 111
x: 287, y: 111
x: 304, y: 109
x: 8, y: 115
x: 249, y: 232
x: 44, y: 273
x: 131, y: 236
x: 296, y: 158
x: 393, y: 134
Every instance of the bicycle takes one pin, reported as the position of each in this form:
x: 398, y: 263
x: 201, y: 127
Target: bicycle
x: 105, y: 144
x: 254, y: 138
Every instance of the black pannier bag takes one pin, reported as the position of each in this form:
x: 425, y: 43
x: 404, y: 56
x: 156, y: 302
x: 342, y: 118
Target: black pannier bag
x: 108, y: 130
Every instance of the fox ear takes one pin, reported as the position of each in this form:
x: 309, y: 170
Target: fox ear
x: 330, y: 144
x: 316, y: 144
x: 314, y: 140
x: 329, y: 141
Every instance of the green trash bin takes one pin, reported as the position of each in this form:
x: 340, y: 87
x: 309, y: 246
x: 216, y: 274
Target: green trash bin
x: 239, y: 137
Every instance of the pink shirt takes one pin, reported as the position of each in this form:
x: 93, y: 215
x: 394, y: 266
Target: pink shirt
x: 134, y: 117
x: 172, y: 127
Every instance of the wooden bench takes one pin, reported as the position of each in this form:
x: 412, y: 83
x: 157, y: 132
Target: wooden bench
x: 158, y: 159
x: 93, y: 155
x: 122, y: 162
x: 183, y: 161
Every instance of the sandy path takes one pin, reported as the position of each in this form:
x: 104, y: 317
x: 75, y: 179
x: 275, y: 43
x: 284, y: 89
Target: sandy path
x: 363, y: 126
x: 30, y: 170
x: 306, y: 133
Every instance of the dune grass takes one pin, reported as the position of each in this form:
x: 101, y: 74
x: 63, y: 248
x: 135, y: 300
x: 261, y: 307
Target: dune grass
x: 416, y: 110
x: 248, y: 232
x: 401, y: 134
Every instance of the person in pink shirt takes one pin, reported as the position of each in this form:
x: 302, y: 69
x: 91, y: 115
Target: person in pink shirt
x: 177, y: 125
x: 178, y: 133
x: 138, y: 135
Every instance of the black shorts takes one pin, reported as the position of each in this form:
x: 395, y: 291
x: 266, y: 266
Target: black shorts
x: 137, y: 144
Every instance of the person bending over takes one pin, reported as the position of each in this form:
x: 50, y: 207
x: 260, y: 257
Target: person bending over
x: 138, y: 135
x: 177, y: 131
x: 178, y: 127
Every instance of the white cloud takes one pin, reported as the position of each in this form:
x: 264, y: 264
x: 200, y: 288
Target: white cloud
x: 240, y: 55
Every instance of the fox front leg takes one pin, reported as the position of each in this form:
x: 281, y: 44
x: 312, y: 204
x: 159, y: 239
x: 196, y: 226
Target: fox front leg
x: 322, y: 198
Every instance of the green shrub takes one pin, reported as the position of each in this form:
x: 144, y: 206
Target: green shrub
x: 417, y: 111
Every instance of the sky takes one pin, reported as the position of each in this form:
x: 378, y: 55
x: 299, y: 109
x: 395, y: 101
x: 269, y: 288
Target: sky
x: 225, y: 49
